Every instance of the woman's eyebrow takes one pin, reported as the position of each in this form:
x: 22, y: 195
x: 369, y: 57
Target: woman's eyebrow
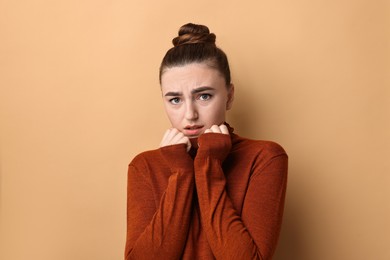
x: 175, y: 94
x: 201, y: 89
x: 194, y: 91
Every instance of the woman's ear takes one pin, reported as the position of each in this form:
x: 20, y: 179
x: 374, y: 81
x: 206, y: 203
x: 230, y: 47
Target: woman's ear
x: 230, y: 99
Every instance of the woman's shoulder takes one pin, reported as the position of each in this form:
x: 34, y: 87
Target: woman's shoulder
x: 271, y: 147
x: 260, y: 155
x: 146, y: 157
x: 264, y: 147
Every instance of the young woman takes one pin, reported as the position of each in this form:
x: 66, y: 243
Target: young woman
x: 206, y: 193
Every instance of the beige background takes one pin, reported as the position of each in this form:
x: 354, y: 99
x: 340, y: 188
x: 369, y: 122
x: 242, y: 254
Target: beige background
x: 80, y: 97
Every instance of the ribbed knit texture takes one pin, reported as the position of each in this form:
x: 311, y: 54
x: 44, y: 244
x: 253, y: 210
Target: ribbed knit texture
x: 223, y: 200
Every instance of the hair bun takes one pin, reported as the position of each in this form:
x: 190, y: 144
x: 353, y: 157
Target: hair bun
x: 194, y: 33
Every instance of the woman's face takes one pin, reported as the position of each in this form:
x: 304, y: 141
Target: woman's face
x: 195, y: 97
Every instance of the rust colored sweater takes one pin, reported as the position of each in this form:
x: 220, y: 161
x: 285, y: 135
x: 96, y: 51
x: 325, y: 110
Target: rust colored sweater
x: 223, y: 200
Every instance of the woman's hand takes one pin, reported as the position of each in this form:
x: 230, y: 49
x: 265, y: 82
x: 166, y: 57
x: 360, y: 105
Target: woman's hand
x: 221, y: 129
x: 173, y: 136
x: 215, y: 146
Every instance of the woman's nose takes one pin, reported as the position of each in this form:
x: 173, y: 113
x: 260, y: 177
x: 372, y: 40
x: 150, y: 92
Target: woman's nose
x: 191, y: 111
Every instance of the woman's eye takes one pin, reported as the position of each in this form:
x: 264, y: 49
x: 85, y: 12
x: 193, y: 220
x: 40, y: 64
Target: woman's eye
x: 174, y: 101
x: 204, y: 97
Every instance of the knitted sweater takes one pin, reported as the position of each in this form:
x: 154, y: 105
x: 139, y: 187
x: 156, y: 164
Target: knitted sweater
x: 223, y: 200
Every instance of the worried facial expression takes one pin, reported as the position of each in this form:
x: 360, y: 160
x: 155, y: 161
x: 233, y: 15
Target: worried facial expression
x: 195, y: 97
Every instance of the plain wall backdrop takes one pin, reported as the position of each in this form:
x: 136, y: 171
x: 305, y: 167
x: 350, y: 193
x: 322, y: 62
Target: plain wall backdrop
x: 79, y: 98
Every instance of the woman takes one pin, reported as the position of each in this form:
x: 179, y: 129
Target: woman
x: 206, y: 193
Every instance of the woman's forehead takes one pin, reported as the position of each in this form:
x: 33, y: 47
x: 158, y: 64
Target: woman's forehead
x: 190, y: 75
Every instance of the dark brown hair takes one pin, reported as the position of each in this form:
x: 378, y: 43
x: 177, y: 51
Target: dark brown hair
x: 195, y: 44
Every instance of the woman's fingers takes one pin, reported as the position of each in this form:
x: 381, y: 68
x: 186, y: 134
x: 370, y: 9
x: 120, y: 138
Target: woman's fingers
x: 186, y: 140
x: 177, y: 138
x: 215, y: 129
x: 222, y: 129
x: 173, y: 136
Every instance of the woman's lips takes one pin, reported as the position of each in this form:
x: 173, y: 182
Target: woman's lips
x: 193, y: 130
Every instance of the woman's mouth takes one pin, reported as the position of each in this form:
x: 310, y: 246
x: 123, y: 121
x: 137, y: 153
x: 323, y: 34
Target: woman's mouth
x: 193, y: 130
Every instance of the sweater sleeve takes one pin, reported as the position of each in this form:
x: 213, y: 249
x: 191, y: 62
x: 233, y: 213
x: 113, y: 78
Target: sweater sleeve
x: 254, y: 234
x: 159, y: 231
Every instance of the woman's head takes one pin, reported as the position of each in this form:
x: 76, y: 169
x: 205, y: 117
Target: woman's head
x: 195, y: 81
x: 195, y: 44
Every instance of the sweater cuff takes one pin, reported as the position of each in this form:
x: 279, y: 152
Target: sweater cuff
x: 214, y: 145
x: 177, y: 157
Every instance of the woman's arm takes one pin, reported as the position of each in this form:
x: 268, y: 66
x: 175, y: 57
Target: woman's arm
x: 253, y: 235
x: 159, y: 231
